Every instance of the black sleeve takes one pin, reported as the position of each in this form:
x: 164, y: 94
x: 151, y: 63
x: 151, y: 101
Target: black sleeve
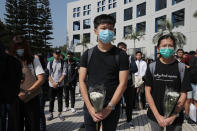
x: 148, y: 78
x: 124, y: 61
x: 185, y: 85
x: 84, y: 59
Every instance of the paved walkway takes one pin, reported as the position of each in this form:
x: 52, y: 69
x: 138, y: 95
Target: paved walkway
x: 74, y: 120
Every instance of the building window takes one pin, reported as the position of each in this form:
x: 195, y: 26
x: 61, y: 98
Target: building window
x: 160, y: 4
x: 178, y: 18
x: 160, y: 23
x: 86, y: 36
x: 86, y: 10
x: 85, y: 7
x: 101, y: 6
x: 141, y: 9
x: 89, y: 11
x: 128, y: 14
x: 78, y: 9
x: 127, y: 1
x: 127, y: 30
x: 76, y: 12
x: 76, y: 25
x: 112, y: 4
x: 76, y: 39
x: 86, y: 24
x: 89, y: 6
x: 176, y: 1
x: 141, y: 27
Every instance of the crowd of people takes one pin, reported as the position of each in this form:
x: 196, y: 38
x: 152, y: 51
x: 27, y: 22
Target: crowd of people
x: 130, y: 82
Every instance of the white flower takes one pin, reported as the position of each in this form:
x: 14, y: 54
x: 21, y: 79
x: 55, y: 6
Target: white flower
x: 173, y: 94
x: 96, y: 95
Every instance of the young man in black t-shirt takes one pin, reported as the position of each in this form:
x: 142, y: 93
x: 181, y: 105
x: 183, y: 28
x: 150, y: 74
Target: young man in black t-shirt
x: 166, y: 74
x: 104, y: 68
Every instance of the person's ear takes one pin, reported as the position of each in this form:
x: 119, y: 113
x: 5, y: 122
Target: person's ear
x: 96, y: 32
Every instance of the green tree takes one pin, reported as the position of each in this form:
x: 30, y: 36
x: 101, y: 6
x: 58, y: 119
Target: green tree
x: 32, y: 24
x: 11, y: 18
x: 179, y: 37
x: 22, y: 17
x: 134, y: 35
x: 45, y: 22
x: 5, y: 38
x: 84, y: 44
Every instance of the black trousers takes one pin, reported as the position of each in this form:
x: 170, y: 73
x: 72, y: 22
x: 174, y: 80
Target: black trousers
x: 3, y: 117
x: 69, y: 90
x: 42, y: 114
x: 14, y: 115
x: 30, y: 115
x: 129, y: 96
x: 53, y: 92
x: 109, y: 124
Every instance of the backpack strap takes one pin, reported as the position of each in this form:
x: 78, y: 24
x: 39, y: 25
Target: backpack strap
x: 152, y: 67
x: 90, y: 51
x: 51, y: 68
x: 181, y: 70
x: 62, y: 64
x: 117, y: 57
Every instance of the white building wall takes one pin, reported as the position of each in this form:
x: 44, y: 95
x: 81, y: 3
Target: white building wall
x: 189, y: 28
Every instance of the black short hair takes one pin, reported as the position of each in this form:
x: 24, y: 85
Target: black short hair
x: 121, y: 44
x: 166, y: 37
x: 104, y: 18
x: 138, y: 52
x: 192, y: 53
x: 180, y: 50
x: 70, y: 53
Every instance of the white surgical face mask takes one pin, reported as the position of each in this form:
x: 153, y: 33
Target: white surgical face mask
x: 20, y: 52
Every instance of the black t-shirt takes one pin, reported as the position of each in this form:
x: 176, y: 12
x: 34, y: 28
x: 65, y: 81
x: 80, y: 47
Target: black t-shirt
x: 103, y: 69
x: 166, y: 75
x: 193, y: 69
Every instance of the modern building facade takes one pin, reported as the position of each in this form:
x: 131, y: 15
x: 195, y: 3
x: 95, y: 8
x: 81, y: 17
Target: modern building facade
x: 146, y: 16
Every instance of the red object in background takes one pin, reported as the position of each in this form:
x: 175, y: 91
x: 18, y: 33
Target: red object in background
x: 186, y: 59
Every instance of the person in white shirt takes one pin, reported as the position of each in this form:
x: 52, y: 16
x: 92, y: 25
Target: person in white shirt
x: 139, y: 83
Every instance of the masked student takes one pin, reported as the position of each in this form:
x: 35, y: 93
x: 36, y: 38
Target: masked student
x: 105, y: 65
x: 166, y: 73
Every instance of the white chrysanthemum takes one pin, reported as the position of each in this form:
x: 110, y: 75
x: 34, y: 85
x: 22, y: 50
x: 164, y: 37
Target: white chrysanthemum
x: 173, y: 94
x: 96, y: 95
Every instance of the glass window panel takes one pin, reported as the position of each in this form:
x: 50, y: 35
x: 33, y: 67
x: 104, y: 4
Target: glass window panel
x: 127, y: 30
x: 141, y: 9
x: 86, y: 24
x: 76, y: 39
x: 160, y: 23
x: 76, y: 25
x: 160, y: 4
x: 178, y: 18
x: 128, y: 14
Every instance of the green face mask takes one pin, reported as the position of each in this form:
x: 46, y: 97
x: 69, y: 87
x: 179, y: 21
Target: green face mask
x: 166, y: 52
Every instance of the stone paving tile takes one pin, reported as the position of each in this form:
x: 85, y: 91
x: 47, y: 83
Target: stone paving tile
x: 73, y: 121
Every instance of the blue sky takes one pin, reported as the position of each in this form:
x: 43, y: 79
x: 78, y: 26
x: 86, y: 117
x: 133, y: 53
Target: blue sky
x: 58, y: 11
